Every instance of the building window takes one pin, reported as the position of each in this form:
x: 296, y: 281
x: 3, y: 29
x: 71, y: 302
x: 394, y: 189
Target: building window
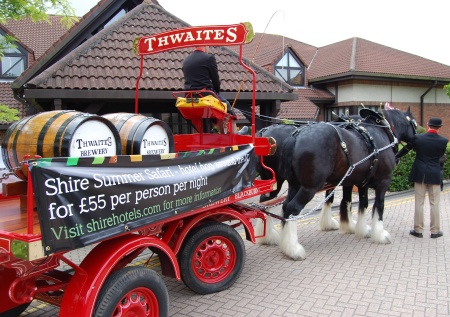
x: 290, y: 69
x: 345, y: 111
x: 13, y: 62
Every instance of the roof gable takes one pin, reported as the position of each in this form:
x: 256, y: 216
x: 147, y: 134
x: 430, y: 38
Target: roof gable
x: 107, y: 61
x: 89, y: 25
x: 266, y: 49
x: 357, y: 55
x: 25, y: 31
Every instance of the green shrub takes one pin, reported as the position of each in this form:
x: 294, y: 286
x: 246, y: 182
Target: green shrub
x: 8, y: 114
x: 401, y: 171
x: 447, y: 163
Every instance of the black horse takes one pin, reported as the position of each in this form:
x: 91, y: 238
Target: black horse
x: 279, y: 132
x: 361, y: 154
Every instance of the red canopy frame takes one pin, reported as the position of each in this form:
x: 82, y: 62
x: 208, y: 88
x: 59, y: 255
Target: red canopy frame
x: 209, y: 35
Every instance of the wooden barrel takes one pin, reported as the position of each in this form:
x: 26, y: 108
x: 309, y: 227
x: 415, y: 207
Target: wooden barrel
x: 142, y: 135
x: 59, y: 134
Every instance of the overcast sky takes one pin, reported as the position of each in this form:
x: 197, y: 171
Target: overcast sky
x: 418, y: 27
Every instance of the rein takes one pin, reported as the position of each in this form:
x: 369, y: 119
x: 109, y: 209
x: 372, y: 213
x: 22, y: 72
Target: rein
x: 350, y: 170
x: 347, y: 174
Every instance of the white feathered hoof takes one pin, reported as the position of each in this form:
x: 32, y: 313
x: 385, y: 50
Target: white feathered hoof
x: 272, y: 236
x: 327, y: 222
x: 289, y: 242
x: 379, y: 235
x: 348, y: 227
x: 362, y: 229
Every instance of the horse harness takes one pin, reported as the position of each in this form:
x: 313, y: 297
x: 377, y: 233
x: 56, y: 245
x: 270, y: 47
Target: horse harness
x: 349, y: 124
x: 368, y: 140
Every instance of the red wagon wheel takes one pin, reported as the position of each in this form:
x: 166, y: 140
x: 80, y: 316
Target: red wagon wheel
x: 133, y: 291
x: 212, y: 258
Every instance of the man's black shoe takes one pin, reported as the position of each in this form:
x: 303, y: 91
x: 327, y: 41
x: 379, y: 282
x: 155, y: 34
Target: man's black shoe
x: 416, y: 234
x: 437, y: 235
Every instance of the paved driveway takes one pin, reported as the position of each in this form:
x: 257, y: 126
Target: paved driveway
x: 341, y: 276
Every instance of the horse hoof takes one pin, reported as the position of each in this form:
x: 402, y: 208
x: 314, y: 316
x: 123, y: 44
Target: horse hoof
x: 299, y: 254
x: 383, y: 238
x: 364, y: 232
x: 289, y: 242
x: 347, y: 228
x: 329, y: 225
x: 271, y: 238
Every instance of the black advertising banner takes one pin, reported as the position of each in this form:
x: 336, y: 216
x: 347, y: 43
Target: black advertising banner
x: 83, y: 200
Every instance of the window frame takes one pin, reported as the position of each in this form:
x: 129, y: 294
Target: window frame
x: 21, y: 53
x: 287, y: 56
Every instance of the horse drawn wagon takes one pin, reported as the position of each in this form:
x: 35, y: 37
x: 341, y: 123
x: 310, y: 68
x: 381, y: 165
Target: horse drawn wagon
x: 174, y: 204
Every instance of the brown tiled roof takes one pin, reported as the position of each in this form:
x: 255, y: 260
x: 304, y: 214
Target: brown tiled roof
x: 301, y: 109
x: 315, y: 94
x: 7, y: 98
x: 266, y: 49
x: 38, y: 36
x: 304, y: 108
x: 106, y: 61
x: 359, y: 56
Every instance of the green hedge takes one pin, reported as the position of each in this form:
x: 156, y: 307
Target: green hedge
x: 401, y: 171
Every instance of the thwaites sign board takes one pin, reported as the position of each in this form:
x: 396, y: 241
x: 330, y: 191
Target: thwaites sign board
x: 81, y: 201
x: 210, y: 35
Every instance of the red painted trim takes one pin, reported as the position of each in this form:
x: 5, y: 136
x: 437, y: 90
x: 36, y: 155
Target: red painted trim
x: 82, y: 291
x: 215, y: 212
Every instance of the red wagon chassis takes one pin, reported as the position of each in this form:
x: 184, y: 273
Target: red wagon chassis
x: 195, y: 246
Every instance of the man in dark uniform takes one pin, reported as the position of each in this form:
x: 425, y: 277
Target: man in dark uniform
x: 201, y: 72
x: 426, y: 175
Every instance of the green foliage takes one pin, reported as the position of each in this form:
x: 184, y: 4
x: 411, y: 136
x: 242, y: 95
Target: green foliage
x: 447, y: 89
x: 7, y: 114
x: 37, y: 11
x: 400, y: 173
x: 287, y: 121
x: 421, y: 130
x: 447, y: 163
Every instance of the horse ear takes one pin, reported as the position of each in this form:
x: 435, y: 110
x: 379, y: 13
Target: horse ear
x: 408, y: 111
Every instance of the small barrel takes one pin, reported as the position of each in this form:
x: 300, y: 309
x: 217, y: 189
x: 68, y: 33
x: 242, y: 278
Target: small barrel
x: 59, y: 133
x: 142, y: 135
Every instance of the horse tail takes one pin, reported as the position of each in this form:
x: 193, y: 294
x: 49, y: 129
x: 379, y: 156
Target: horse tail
x: 286, y: 157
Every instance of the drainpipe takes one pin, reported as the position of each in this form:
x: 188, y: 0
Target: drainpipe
x: 421, y: 102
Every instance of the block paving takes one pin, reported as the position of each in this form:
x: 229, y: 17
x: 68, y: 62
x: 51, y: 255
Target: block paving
x: 341, y: 276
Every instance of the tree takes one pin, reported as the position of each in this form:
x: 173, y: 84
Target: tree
x: 7, y: 114
x: 37, y: 11
x: 447, y: 89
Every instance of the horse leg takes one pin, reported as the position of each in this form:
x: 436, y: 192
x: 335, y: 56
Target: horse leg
x: 379, y: 234
x: 326, y: 221
x: 289, y: 244
x: 272, y: 237
x: 345, y: 210
x: 362, y: 228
